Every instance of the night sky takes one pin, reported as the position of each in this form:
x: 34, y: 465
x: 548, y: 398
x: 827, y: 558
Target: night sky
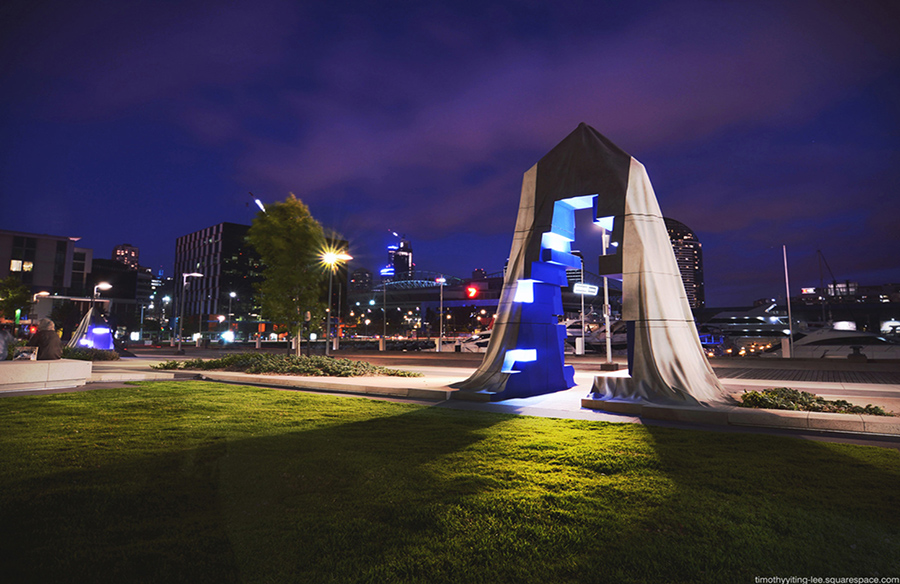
x: 759, y: 123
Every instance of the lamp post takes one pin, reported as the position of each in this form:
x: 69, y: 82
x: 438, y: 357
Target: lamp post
x: 181, y: 314
x: 582, y: 308
x: 441, y: 281
x: 787, y: 295
x: 579, y: 349
x: 330, y: 259
x: 96, y: 294
x: 97, y: 288
x: 231, y: 296
x: 164, y: 322
x: 605, y: 237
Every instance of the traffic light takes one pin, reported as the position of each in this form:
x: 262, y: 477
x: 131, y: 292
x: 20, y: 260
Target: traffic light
x: 32, y: 329
x: 472, y: 292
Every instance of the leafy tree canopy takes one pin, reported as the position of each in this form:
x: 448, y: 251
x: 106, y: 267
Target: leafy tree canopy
x: 13, y: 295
x: 290, y: 243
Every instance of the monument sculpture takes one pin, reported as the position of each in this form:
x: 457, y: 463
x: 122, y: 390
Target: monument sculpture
x: 525, y: 356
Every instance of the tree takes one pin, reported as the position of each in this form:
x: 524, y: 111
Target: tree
x: 290, y: 243
x: 14, y: 295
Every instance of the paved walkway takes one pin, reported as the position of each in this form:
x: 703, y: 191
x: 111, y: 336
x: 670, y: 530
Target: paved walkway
x: 439, y: 372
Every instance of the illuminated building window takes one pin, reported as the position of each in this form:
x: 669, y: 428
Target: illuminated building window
x: 15, y: 265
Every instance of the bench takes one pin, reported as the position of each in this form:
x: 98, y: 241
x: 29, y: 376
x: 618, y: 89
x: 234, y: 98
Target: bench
x: 53, y: 374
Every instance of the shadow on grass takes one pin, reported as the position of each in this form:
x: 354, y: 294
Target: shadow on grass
x: 742, y: 508
x: 317, y: 505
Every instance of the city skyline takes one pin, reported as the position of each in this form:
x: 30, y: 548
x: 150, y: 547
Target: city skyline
x: 760, y: 124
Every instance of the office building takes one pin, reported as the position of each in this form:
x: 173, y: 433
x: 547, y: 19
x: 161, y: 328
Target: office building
x: 228, y: 265
x: 43, y: 263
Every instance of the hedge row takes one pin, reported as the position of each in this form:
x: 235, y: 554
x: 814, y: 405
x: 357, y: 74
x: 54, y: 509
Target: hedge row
x: 785, y: 398
x: 312, y: 366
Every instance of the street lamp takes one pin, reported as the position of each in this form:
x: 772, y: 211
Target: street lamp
x: 330, y: 259
x: 231, y: 296
x: 441, y: 281
x: 142, y: 318
x: 164, y: 322
x: 97, y: 288
x: 181, y: 314
x: 605, y: 239
x: 384, y: 311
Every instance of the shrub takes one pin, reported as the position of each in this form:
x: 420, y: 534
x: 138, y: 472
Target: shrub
x: 785, y: 398
x: 89, y: 354
x: 13, y: 345
x: 312, y: 366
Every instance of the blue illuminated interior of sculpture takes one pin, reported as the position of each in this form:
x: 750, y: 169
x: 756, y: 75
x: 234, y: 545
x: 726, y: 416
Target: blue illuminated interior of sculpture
x: 524, y: 291
x: 539, y: 356
x: 517, y: 356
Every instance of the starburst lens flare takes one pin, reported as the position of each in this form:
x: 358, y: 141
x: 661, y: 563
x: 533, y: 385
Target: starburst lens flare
x: 331, y: 257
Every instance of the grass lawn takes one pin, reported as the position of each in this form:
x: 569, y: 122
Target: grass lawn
x: 204, y: 482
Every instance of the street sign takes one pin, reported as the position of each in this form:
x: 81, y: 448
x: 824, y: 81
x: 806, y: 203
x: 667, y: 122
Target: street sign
x: 585, y: 289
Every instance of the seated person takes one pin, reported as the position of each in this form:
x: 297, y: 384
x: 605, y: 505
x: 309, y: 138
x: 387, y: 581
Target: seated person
x: 6, y: 339
x: 47, y: 341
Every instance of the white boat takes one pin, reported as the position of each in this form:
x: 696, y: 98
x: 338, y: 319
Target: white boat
x: 595, y: 335
x: 477, y: 343
x: 839, y: 344
x: 760, y: 322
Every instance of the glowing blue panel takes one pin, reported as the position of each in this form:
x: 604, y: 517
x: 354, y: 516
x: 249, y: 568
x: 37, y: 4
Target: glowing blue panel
x: 524, y: 291
x: 604, y: 222
x: 555, y: 241
x: 549, y: 273
x: 561, y: 258
x: 520, y: 355
x: 563, y: 221
x: 582, y: 202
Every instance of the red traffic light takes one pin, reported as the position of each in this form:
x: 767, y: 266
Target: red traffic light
x: 32, y: 329
x: 472, y: 292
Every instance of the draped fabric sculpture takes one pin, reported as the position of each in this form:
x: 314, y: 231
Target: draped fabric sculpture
x: 525, y: 354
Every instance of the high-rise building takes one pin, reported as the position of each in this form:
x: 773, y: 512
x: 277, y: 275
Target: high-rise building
x: 41, y: 262
x: 402, y: 260
x: 400, y: 264
x: 228, y: 265
x: 127, y: 254
x: 689, y: 255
